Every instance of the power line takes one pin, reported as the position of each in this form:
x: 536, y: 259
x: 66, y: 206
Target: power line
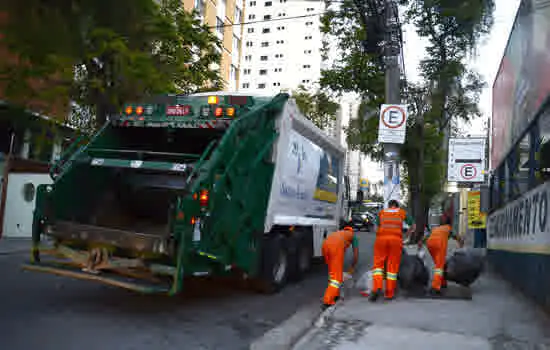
x: 265, y: 20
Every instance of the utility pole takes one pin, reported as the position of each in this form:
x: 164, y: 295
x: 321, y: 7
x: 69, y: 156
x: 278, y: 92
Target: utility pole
x: 392, y: 51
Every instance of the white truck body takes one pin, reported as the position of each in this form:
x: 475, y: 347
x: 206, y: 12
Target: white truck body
x: 308, y: 182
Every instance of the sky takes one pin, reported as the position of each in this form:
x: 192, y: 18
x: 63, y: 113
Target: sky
x: 486, y: 61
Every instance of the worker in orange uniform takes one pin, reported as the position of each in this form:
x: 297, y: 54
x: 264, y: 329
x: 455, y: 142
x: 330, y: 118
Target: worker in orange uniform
x: 388, y: 248
x: 436, y: 241
x: 334, y: 250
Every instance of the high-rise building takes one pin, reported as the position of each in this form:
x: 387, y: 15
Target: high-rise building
x: 281, y: 46
x: 226, y: 18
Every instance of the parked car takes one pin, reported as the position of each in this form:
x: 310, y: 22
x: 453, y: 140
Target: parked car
x: 362, y: 220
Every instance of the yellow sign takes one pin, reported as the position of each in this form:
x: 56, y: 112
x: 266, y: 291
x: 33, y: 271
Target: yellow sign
x: 476, y: 219
x: 364, y: 183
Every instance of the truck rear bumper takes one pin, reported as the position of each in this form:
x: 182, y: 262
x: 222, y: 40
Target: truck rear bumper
x: 111, y: 279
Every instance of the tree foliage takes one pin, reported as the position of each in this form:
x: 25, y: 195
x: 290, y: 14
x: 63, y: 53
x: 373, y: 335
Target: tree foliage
x: 103, y: 53
x: 447, y: 92
x: 317, y: 106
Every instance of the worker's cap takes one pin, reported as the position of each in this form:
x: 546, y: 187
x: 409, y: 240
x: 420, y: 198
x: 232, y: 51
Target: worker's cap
x: 348, y: 228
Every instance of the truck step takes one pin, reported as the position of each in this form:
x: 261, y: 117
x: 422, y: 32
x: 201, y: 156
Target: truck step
x: 106, y: 278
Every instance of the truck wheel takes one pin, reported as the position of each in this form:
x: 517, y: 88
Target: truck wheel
x: 303, y: 252
x: 275, y: 264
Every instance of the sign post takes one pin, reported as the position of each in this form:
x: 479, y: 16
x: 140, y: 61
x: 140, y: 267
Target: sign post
x: 391, y: 132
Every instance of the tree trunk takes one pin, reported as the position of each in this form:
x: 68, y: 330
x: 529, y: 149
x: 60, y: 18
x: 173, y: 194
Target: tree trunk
x: 420, y: 207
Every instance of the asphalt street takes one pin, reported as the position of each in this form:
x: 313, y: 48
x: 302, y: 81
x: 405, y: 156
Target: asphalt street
x: 47, y: 312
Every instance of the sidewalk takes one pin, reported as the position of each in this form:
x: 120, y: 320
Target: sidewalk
x: 9, y: 245
x: 496, y: 318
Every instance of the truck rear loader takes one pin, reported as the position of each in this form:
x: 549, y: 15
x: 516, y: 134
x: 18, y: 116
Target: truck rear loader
x: 191, y: 185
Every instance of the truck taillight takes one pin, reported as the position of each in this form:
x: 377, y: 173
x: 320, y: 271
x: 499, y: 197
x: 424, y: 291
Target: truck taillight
x: 230, y: 112
x: 129, y: 110
x: 139, y: 110
x: 203, y: 198
x: 218, y: 112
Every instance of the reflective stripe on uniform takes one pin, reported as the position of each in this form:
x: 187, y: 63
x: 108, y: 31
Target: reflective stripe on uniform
x: 438, y: 271
x: 378, y: 272
x: 334, y: 283
x: 391, y: 276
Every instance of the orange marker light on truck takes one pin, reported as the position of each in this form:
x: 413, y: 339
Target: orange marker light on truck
x: 129, y: 110
x: 139, y: 110
x: 218, y: 112
x: 213, y: 100
x: 230, y: 112
x: 203, y: 198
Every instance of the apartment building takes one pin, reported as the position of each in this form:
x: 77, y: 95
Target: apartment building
x: 225, y: 17
x: 281, y: 45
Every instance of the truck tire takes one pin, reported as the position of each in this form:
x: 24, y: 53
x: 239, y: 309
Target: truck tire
x: 274, y: 264
x: 302, y: 255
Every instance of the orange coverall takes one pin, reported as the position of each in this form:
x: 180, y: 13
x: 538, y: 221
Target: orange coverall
x: 388, y: 246
x: 334, y: 248
x: 437, y: 246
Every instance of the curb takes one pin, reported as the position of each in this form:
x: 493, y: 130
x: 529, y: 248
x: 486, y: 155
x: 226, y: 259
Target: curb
x: 292, y: 330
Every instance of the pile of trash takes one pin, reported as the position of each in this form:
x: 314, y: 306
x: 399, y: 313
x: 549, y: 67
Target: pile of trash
x: 463, y: 267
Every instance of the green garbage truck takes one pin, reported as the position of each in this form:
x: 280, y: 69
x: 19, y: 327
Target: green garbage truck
x: 191, y: 185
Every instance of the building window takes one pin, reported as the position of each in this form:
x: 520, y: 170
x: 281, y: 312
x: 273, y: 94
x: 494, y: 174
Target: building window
x: 250, y: 30
x: 200, y: 7
x: 263, y: 71
x: 279, y: 55
x: 309, y: 23
x: 238, y: 15
x: 219, y: 26
x: 276, y: 84
x: 306, y: 66
x: 308, y: 37
x: 249, y: 44
x: 280, y: 41
x: 261, y: 86
x: 307, y: 51
x: 281, y: 1
x: 265, y: 43
x: 267, y: 17
x: 248, y: 58
x: 246, y: 85
x: 251, y: 16
x: 306, y: 81
x: 281, y: 28
x: 236, y: 48
x: 252, y: 3
x: 268, y: 3
x: 278, y: 70
x: 266, y: 30
x: 246, y: 71
x: 233, y: 77
x: 282, y: 14
x: 263, y: 58
x: 309, y: 9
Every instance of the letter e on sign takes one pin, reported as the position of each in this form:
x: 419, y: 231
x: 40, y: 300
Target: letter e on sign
x: 393, y: 117
x: 468, y: 172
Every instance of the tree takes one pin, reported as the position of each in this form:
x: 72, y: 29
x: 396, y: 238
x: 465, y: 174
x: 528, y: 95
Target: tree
x: 104, y: 53
x: 317, y: 106
x: 448, y: 90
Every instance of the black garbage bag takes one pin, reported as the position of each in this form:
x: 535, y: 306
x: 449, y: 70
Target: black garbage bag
x: 464, y: 266
x: 413, y: 273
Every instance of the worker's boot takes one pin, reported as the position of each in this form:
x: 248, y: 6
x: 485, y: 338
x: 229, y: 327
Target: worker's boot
x: 435, y: 292
x: 375, y: 295
x: 325, y: 306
